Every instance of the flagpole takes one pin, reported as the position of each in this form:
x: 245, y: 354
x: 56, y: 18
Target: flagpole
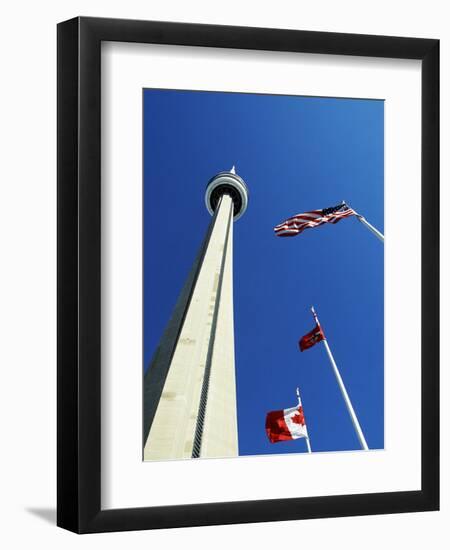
x: 341, y: 385
x: 308, y: 444
x: 369, y: 226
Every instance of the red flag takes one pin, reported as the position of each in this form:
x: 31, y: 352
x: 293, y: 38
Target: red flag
x: 315, y: 335
x: 286, y: 424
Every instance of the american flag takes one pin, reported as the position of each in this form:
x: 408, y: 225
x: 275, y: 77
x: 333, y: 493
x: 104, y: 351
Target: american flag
x: 296, y: 224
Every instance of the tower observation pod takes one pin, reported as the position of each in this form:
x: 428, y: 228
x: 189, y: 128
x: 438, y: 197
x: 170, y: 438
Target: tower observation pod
x: 190, y: 386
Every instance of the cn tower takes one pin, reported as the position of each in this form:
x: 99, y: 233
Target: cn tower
x: 190, y: 386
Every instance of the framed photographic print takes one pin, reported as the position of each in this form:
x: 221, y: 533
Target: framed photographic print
x: 237, y: 340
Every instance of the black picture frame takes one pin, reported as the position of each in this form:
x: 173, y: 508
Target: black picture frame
x: 79, y: 275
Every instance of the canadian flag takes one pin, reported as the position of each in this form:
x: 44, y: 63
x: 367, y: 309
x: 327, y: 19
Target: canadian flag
x: 286, y: 424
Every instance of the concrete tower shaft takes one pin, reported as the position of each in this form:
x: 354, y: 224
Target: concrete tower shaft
x: 190, y: 388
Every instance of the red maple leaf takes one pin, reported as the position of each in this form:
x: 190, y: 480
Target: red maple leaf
x: 299, y: 418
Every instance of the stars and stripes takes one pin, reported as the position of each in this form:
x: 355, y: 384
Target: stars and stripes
x: 297, y: 224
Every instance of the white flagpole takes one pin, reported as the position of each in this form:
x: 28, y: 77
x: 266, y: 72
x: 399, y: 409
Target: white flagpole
x: 369, y: 226
x: 308, y: 443
x: 340, y: 382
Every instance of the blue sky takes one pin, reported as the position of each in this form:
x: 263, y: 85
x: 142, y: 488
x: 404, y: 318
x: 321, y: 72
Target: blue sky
x: 295, y: 154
